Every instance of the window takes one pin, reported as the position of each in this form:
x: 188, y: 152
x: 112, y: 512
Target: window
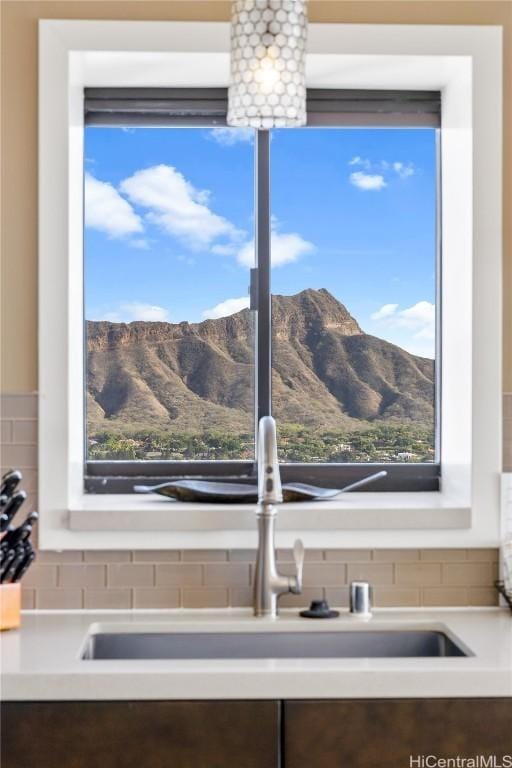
x: 465, y: 64
x: 343, y: 228
x: 354, y: 368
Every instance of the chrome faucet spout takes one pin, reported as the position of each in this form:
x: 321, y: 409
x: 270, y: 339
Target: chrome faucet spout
x: 268, y: 582
x: 269, y: 478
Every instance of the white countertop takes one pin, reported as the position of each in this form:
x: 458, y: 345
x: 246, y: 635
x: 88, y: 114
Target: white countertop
x: 42, y: 660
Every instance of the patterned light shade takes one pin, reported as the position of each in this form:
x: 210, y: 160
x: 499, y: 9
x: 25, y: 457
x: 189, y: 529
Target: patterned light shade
x: 268, y: 62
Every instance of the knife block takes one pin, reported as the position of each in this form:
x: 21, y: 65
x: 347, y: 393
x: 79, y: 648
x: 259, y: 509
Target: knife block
x: 10, y: 606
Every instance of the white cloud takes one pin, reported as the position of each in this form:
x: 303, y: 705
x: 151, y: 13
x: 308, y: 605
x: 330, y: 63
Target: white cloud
x: 128, y: 311
x: 225, y: 308
x: 177, y: 206
x: 284, y: 248
x: 421, y: 318
x: 367, y: 181
x: 246, y: 255
x: 413, y: 327
x: 363, y: 161
x: 385, y: 311
x: 107, y: 211
x: 404, y: 170
x: 382, y: 172
x: 229, y: 136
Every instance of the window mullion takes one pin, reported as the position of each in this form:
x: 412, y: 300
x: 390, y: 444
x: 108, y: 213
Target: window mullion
x: 263, y: 373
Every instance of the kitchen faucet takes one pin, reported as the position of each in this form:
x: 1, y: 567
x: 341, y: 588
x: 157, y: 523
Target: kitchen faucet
x: 268, y: 582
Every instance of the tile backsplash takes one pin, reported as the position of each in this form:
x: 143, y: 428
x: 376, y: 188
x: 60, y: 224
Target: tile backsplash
x: 222, y: 578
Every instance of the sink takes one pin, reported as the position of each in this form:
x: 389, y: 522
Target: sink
x: 271, y: 645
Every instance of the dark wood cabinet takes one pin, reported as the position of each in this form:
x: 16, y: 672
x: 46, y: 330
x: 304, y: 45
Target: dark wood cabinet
x: 353, y: 733
x: 385, y: 733
x: 141, y: 734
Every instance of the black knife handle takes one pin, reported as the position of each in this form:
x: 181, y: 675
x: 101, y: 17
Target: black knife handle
x: 12, y: 563
x: 15, y: 564
x: 11, y: 556
x: 25, y: 565
x: 20, y: 535
x: 10, y: 482
x: 12, y: 507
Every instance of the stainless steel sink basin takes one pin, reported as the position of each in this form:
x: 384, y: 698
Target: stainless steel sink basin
x: 270, y: 645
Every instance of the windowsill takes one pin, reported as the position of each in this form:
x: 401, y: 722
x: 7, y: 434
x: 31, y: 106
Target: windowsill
x: 362, y: 511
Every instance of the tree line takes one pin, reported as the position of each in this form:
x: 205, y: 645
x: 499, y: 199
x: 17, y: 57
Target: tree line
x: 296, y: 443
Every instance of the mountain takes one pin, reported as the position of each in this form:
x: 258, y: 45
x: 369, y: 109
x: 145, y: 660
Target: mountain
x: 327, y: 373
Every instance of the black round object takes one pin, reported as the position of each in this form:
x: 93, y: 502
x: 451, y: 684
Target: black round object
x: 319, y: 609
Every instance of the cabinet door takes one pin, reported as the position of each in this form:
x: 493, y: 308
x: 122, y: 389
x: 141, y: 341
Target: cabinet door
x: 142, y: 734
x: 387, y: 733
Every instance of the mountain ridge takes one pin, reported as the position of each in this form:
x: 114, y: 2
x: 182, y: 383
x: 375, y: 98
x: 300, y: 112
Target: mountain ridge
x: 193, y: 376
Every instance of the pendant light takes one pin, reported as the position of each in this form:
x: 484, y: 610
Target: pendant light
x: 268, y: 62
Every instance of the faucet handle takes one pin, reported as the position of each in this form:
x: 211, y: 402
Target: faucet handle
x: 298, y: 556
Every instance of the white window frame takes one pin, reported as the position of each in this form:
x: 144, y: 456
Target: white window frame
x: 465, y: 63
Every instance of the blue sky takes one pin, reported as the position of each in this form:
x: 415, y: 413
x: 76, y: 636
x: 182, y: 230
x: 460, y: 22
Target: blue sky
x: 169, y: 224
